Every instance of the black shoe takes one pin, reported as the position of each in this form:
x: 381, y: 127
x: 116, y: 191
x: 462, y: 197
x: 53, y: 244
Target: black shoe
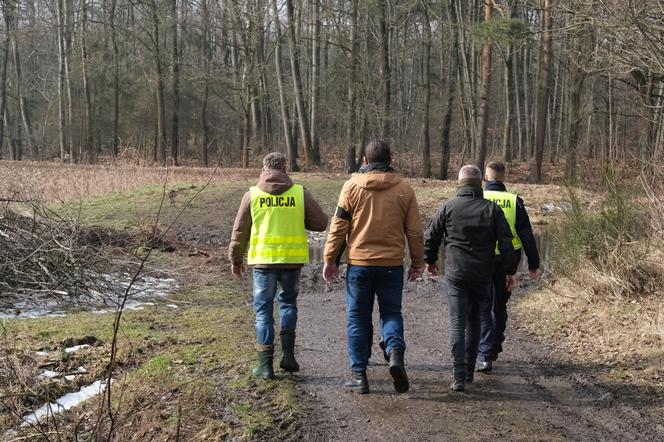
x: 288, y: 362
x: 358, y: 382
x: 470, y: 373
x: 264, y: 370
x: 398, y: 371
x: 381, y: 344
x: 459, y: 382
x: 484, y: 366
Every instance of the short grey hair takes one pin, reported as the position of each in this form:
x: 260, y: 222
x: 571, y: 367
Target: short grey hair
x: 470, y: 171
x: 274, y: 160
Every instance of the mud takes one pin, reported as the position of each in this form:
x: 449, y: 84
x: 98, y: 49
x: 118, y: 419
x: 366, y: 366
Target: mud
x: 530, y: 395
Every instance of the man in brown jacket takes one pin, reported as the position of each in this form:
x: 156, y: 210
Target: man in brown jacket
x: 376, y: 214
x: 272, y: 222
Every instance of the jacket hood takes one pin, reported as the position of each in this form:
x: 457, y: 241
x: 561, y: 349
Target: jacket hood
x: 274, y: 182
x: 473, y: 191
x: 376, y: 180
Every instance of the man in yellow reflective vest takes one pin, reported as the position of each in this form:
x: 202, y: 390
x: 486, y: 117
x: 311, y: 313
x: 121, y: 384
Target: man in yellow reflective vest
x: 270, y: 228
x: 493, y: 315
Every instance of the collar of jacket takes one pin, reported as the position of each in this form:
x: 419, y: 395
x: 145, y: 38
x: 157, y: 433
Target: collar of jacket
x: 274, y: 182
x: 496, y: 186
x: 470, y: 190
x: 383, y: 167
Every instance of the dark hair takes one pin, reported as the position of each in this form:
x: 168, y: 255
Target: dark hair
x: 496, y: 166
x: 274, y: 160
x: 378, y: 151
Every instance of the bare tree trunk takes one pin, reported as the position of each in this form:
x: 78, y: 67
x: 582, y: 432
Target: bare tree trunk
x: 285, y: 118
x: 485, y: 90
x: 175, y: 73
x: 87, y: 145
x: 3, y: 95
x: 298, y: 91
x: 206, y: 56
x: 451, y: 88
x: 116, y: 83
x: 315, y: 80
x: 351, y: 137
x: 61, y: 79
x: 67, y: 35
x: 426, y: 148
x: 385, y: 74
x: 543, y: 91
x: 161, y: 116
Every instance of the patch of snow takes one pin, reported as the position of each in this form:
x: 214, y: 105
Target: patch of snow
x: 172, y: 306
x: 75, y: 348
x: 65, y: 403
x: 48, y: 374
x: 41, y: 353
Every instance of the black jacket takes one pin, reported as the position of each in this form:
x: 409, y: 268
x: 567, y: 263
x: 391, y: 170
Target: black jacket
x: 470, y: 226
x: 523, y: 228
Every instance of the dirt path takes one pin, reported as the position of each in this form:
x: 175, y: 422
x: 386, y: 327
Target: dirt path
x: 529, y: 395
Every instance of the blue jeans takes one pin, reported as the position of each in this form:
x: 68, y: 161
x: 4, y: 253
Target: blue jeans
x: 363, y: 283
x: 265, y: 290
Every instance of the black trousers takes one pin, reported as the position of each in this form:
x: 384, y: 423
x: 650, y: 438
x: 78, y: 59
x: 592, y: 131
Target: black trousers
x: 465, y: 299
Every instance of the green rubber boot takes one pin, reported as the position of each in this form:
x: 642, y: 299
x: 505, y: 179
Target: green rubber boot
x: 288, y: 362
x: 264, y: 369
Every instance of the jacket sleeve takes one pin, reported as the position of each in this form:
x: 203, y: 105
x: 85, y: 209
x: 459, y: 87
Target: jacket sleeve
x: 314, y: 217
x: 414, y: 233
x: 504, y: 236
x: 433, y: 236
x: 241, y: 232
x: 525, y: 232
x: 339, y: 228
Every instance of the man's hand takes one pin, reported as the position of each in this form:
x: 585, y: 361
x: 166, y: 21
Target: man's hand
x: 432, y: 269
x: 237, y: 270
x: 510, y: 282
x: 330, y: 272
x: 534, y: 273
x: 415, y: 273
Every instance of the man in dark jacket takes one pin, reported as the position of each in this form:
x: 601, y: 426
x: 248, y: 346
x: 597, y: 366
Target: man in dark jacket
x: 493, y: 316
x: 272, y: 222
x: 470, y: 226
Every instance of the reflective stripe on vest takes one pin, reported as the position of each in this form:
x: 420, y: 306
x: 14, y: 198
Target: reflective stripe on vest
x: 507, y: 202
x: 278, y: 235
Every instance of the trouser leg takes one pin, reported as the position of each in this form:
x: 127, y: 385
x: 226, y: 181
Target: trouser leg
x: 264, y: 291
x: 457, y: 298
x: 389, y: 290
x: 480, y: 296
x: 359, y: 305
x: 289, y: 280
x: 501, y: 296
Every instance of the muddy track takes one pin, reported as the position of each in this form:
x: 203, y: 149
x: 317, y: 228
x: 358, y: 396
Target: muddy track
x: 529, y: 396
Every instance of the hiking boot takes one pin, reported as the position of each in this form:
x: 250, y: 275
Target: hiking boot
x: 458, y: 384
x: 470, y: 373
x: 484, y: 366
x: 381, y: 344
x: 398, y: 371
x: 264, y: 369
x: 358, y: 382
x: 288, y: 362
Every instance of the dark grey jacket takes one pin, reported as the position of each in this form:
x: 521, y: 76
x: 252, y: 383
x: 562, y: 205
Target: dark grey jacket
x: 470, y: 226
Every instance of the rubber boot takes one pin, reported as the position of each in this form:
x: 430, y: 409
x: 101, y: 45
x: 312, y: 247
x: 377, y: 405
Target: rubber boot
x: 398, y: 371
x: 288, y: 362
x: 264, y: 370
x: 358, y: 382
x: 459, y: 381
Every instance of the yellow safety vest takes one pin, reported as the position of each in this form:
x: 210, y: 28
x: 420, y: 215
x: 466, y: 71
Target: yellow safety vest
x: 278, y: 235
x: 507, y: 202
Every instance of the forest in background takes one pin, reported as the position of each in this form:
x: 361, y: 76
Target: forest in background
x: 190, y: 81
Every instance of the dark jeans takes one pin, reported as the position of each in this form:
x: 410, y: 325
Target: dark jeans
x: 465, y: 298
x: 363, y: 283
x: 493, y: 317
x: 265, y: 290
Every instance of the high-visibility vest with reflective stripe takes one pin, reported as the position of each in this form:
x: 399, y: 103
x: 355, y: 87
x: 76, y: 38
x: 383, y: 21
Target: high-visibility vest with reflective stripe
x: 278, y: 235
x: 507, y: 202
